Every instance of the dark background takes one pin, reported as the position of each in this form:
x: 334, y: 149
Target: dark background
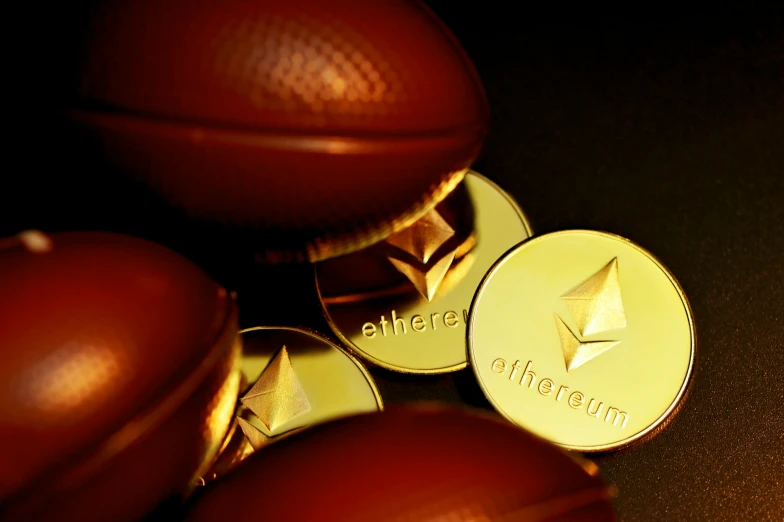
x: 665, y: 126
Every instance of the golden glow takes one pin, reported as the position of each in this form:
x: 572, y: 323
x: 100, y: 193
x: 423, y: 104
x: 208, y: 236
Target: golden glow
x: 277, y: 396
x: 308, y: 382
x: 408, y: 332
x: 424, y: 237
x: 639, y: 367
x: 596, y: 307
x: 596, y: 304
x: 330, y: 246
x: 576, y: 352
x: 427, y: 280
x: 419, y: 242
x: 255, y: 437
x: 223, y: 409
x: 220, y: 410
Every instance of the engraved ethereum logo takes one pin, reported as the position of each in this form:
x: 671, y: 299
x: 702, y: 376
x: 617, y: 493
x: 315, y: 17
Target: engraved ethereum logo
x: 424, y: 237
x: 277, y: 397
x: 256, y: 438
x: 421, y: 240
x: 596, y: 307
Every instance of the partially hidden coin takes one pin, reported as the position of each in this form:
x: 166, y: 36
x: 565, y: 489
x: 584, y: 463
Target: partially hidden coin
x: 404, y: 303
x: 583, y: 338
x: 295, y: 378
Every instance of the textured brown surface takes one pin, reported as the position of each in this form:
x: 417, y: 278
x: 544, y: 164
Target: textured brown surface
x: 104, y: 341
x: 406, y: 465
x: 316, y: 127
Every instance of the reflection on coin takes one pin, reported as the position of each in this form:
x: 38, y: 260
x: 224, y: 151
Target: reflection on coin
x: 403, y: 304
x: 583, y: 338
x: 296, y: 378
x: 299, y: 378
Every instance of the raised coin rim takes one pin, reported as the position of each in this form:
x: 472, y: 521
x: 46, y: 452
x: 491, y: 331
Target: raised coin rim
x: 678, y: 288
x: 321, y: 337
x: 428, y: 371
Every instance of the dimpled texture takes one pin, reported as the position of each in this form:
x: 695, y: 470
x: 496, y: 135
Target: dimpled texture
x: 97, y: 329
x: 406, y: 465
x: 328, y: 125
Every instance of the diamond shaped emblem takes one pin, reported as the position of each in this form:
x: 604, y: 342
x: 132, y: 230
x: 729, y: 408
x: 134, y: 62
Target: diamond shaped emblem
x: 596, y: 304
x: 423, y: 238
x: 596, y: 307
x: 277, y: 396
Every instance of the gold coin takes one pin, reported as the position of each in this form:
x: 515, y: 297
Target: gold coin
x: 583, y: 338
x: 294, y: 378
x: 404, y: 304
x: 298, y: 379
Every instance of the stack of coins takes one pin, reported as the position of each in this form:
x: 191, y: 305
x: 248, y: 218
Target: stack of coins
x: 578, y: 336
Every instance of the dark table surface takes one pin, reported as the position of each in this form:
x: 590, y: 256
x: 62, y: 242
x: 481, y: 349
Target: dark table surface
x: 666, y: 128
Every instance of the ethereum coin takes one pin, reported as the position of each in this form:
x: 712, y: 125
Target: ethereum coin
x: 403, y: 304
x: 583, y: 338
x: 297, y: 379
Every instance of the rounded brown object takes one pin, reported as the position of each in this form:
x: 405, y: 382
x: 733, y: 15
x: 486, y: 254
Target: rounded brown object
x: 118, y: 375
x: 322, y: 126
x: 407, y: 465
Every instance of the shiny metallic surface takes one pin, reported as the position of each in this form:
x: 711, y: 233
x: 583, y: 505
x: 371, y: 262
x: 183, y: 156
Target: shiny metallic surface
x: 294, y: 379
x: 418, y: 325
x: 583, y: 338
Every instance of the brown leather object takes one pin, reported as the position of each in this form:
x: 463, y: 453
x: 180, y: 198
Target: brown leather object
x: 408, y: 465
x: 116, y: 356
x: 321, y: 126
